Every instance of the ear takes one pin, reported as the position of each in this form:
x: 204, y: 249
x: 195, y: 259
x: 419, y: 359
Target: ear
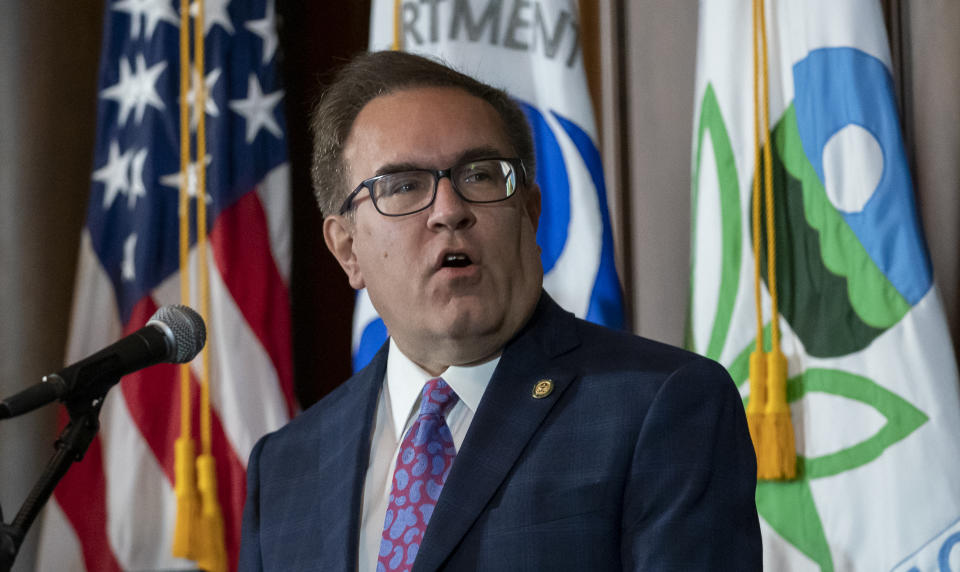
x: 531, y: 202
x: 338, y: 234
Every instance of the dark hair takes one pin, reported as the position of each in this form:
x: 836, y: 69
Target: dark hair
x: 371, y: 75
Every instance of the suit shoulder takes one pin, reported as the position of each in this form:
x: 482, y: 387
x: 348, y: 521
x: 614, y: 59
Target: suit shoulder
x: 308, y: 425
x: 628, y: 349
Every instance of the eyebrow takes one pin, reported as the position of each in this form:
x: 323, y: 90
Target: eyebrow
x: 472, y: 154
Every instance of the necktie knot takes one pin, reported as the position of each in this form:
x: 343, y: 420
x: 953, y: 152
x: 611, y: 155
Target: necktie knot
x: 435, y: 403
x: 437, y: 398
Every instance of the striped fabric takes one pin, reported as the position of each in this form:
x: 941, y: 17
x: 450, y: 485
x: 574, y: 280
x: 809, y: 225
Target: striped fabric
x: 116, y: 509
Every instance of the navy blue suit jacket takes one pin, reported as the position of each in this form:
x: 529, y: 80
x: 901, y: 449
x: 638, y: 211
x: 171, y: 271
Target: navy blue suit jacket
x: 639, y: 459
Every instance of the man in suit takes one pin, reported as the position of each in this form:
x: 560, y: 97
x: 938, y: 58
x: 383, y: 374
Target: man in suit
x: 494, y: 430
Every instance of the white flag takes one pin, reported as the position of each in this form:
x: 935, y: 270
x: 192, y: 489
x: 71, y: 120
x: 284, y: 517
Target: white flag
x: 873, y: 384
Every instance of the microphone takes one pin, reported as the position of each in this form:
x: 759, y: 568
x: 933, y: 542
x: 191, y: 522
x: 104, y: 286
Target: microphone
x: 173, y: 334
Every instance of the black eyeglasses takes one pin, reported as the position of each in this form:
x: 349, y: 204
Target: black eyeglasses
x: 408, y: 192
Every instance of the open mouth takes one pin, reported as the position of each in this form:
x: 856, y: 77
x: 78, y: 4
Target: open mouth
x: 456, y: 260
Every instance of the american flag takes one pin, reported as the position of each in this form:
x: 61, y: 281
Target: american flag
x: 116, y: 509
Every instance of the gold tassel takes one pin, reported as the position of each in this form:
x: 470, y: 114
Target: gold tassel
x: 211, y: 553
x: 397, y: 44
x: 778, y: 457
x: 758, y: 398
x: 188, y: 501
x: 772, y: 430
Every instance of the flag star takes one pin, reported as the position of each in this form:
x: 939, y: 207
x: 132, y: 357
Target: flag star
x: 267, y: 30
x: 209, y: 105
x: 153, y: 11
x: 128, y: 271
x: 136, y: 89
x: 137, y: 188
x: 175, y: 180
x: 114, y: 174
x: 257, y: 109
x: 214, y: 12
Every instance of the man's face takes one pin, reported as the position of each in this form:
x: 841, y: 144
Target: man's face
x: 438, y: 313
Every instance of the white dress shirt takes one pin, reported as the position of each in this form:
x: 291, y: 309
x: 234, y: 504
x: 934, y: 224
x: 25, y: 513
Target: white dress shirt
x: 397, y: 407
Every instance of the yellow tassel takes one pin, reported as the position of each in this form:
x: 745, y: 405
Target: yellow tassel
x: 397, y: 44
x: 778, y: 456
x: 758, y: 398
x: 212, y: 554
x: 188, y: 502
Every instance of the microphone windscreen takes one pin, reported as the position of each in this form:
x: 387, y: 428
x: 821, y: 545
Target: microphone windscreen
x: 186, y: 325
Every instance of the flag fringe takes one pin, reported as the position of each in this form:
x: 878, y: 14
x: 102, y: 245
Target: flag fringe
x: 758, y: 398
x: 778, y: 454
x: 212, y: 554
x: 188, y: 500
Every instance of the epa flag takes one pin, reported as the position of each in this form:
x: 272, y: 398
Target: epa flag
x: 872, y: 381
x: 116, y: 509
x: 532, y: 51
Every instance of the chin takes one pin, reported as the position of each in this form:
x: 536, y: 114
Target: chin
x: 468, y: 324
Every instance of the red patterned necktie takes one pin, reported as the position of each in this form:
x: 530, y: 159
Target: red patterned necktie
x: 426, y: 455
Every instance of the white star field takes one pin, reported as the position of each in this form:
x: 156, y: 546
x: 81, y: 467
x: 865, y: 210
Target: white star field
x: 128, y: 170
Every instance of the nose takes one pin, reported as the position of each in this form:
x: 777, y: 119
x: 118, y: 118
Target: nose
x: 449, y: 210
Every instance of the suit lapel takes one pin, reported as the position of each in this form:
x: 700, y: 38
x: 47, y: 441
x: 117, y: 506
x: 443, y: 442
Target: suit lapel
x: 341, y: 472
x: 507, y: 418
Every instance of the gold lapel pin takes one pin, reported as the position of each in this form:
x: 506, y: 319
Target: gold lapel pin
x: 543, y: 388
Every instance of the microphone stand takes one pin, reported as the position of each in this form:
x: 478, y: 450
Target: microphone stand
x: 70, y: 446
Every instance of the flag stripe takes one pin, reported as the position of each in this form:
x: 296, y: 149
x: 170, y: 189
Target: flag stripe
x: 149, y: 391
x: 138, y: 488
x: 605, y: 305
x: 81, y: 511
x: 247, y: 409
x: 274, y: 193
x: 58, y: 549
x: 152, y: 395
x: 241, y: 246
x: 87, y: 513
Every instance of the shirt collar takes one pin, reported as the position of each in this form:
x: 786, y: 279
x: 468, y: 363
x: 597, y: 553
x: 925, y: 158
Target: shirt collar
x: 405, y: 379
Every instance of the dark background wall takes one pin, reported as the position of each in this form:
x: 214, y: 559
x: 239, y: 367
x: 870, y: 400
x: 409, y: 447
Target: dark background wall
x: 48, y: 69
x: 316, y: 37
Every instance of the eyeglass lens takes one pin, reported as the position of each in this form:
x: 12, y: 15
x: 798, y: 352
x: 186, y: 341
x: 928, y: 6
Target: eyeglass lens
x: 477, y: 181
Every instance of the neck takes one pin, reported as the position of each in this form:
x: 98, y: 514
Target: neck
x: 436, y: 367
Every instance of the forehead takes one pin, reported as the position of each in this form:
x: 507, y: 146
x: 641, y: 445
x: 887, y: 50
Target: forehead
x: 426, y: 127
